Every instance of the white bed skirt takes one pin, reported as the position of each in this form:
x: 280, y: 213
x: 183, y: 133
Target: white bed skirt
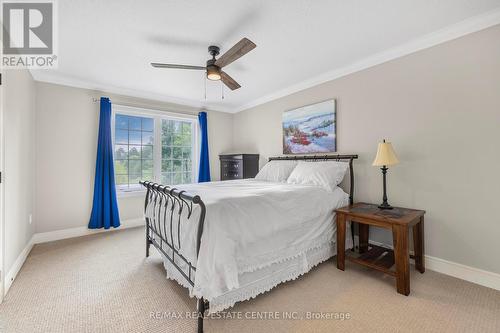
x: 264, y: 279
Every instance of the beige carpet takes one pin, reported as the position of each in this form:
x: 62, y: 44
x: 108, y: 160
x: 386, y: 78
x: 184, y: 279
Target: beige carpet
x: 103, y: 283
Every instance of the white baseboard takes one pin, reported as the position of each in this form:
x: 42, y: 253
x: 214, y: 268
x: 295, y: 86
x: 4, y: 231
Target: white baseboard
x: 58, y: 235
x: 463, y: 272
x: 467, y: 273
x: 16, y: 267
x: 44, y: 237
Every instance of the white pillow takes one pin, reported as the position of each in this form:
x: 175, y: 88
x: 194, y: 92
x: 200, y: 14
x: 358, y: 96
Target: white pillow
x: 276, y: 171
x: 327, y: 174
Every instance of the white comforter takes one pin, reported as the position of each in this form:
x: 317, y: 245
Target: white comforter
x: 252, y: 224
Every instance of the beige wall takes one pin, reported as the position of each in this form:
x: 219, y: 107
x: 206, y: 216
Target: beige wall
x: 18, y: 101
x: 441, y: 109
x: 66, y: 132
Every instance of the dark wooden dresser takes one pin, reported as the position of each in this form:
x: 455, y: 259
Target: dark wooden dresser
x: 238, y: 166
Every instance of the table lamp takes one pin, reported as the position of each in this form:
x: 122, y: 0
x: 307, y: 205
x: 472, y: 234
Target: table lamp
x: 385, y: 156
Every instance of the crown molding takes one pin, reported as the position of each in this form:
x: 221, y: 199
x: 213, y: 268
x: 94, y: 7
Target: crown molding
x: 457, y: 30
x: 65, y: 80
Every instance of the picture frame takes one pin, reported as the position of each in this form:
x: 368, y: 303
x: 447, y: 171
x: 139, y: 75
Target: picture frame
x: 310, y: 129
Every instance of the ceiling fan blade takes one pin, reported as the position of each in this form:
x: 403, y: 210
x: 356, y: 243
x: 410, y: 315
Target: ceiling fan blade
x: 158, y: 65
x: 229, y: 81
x: 238, y: 50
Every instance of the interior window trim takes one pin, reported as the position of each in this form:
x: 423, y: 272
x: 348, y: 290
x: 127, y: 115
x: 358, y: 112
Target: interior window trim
x: 158, y: 116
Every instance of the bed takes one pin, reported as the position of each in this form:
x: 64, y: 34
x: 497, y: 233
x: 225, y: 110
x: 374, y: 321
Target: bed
x: 231, y: 241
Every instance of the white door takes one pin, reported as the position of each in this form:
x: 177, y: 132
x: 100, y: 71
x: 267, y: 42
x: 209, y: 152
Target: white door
x: 2, y: 227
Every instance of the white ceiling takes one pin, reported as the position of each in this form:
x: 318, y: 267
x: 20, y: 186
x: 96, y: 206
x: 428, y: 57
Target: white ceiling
x: 108, y: 45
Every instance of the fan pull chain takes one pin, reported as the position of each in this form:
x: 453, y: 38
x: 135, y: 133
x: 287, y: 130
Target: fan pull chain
x: 222, y: 90
x: 205, y: 81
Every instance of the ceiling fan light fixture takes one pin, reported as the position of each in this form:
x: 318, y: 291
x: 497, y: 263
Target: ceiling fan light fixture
x: 213, y: 77
x: 214, y: 69
x: 213, y: 73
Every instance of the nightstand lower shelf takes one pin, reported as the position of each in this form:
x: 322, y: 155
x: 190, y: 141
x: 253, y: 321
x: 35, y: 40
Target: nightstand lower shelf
x: 377, y: 257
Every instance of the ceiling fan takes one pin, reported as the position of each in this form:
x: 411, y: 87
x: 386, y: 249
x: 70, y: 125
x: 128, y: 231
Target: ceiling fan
x: 214, y: 66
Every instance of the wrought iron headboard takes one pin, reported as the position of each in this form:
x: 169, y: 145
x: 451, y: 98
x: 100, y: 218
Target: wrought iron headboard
x: 325, y: 158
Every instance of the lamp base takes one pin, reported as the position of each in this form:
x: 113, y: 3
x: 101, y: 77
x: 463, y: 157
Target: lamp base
x: 385, y: 205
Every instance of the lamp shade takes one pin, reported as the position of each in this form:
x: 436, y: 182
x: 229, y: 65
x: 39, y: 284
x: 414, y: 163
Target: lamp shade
x: 385, y: 155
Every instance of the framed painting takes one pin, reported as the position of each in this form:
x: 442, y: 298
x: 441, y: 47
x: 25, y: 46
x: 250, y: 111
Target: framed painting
x: 310, y: 129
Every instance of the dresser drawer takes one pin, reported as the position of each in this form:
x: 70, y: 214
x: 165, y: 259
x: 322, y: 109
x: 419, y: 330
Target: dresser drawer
x: 231, y: 169
x: 238, y: 166
x: 231, y: 165
x: 228, y: 175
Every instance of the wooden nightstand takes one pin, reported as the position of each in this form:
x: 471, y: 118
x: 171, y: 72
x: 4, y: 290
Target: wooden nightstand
x: 399, y: 220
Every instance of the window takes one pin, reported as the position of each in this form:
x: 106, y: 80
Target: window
x: 176, y: 151
x: 152, y: 145
x: 134, y: 138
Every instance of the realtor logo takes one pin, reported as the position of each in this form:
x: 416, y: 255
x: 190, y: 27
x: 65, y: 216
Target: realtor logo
x: 28, y: 34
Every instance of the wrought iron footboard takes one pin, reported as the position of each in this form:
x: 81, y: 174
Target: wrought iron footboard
x: 164, y: 207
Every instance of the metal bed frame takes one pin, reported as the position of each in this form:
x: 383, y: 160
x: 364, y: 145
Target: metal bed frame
x: 164, y: 206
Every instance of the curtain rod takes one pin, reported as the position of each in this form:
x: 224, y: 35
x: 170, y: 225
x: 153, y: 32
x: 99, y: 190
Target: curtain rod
x: 172, y: 113
x: 95, y: 100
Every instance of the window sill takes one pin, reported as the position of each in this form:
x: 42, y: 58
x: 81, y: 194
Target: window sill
x: 127, y: 194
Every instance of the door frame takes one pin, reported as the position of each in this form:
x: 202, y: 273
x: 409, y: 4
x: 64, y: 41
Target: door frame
x: 2, y: 188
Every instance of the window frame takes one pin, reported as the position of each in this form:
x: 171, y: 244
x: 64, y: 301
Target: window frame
x: 157, y: 116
